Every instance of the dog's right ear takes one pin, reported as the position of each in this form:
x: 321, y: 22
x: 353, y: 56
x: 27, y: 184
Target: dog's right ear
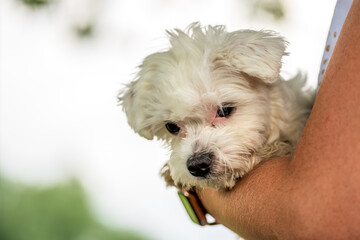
x: 135, y: 100
x: 130, y: 101
x: 140, y: 100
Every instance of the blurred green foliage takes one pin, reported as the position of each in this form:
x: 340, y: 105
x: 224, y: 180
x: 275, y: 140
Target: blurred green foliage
x: 60, y: 212
x: 275, y: 8
x: 85, y: 31
x: 36, y: 3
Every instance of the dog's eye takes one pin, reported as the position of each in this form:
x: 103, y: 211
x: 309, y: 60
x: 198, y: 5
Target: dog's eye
x: 224, y: 111
x: 172, y: 128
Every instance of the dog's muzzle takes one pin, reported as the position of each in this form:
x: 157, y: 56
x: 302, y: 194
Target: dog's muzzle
x: 199, y: 164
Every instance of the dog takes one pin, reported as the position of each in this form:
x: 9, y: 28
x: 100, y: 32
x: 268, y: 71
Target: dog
x: 217, y: 100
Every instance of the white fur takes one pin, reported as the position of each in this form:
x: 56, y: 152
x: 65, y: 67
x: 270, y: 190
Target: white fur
x: 203, y: 69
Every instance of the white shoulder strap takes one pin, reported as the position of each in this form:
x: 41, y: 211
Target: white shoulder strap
x: 341, y: 9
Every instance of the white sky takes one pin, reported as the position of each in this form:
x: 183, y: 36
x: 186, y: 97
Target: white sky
x: 58, y: 111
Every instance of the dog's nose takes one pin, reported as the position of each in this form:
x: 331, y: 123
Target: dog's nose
x: 199, y: 164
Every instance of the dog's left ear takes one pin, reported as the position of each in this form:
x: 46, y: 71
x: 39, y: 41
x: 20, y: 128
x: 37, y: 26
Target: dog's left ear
x: 256, y: 53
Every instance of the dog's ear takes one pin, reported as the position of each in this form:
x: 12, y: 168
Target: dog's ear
x: 138, y: 98
x: 255, y: 53
x: 134, y: 109
x: 142, y: 99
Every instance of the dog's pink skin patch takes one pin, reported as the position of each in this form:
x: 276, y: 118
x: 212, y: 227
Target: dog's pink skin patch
x: 214, y: 119
x: 181, y: 133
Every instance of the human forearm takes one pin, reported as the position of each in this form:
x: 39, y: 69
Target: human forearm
x: 258, y: 206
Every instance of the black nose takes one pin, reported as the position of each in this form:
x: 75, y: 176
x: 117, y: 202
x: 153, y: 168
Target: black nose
x: 199, y: 164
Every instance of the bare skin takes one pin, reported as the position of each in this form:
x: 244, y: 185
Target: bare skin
x: 316, y: 193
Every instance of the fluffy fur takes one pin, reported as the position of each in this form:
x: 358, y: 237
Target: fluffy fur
x: 203, y: 70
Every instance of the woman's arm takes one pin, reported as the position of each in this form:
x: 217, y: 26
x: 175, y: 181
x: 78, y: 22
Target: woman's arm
x: 316, y: 193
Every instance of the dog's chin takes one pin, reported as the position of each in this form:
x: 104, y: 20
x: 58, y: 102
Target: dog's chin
x: 220, y: 181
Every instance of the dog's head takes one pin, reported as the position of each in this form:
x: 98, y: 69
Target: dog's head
x: 207, y: 98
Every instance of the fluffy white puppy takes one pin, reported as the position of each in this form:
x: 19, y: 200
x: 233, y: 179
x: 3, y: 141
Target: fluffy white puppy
x: 216, y: 98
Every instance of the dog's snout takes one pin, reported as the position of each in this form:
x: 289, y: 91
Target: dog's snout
x: 199, y: 164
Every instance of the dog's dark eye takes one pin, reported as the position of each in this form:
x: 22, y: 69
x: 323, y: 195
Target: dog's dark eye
x: 224, y: 111
x: 172, y: 128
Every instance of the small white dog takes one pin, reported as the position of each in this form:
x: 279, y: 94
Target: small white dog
x: 216, y: 98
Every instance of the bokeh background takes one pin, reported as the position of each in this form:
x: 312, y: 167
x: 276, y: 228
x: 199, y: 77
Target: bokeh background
x: 70, y: 167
